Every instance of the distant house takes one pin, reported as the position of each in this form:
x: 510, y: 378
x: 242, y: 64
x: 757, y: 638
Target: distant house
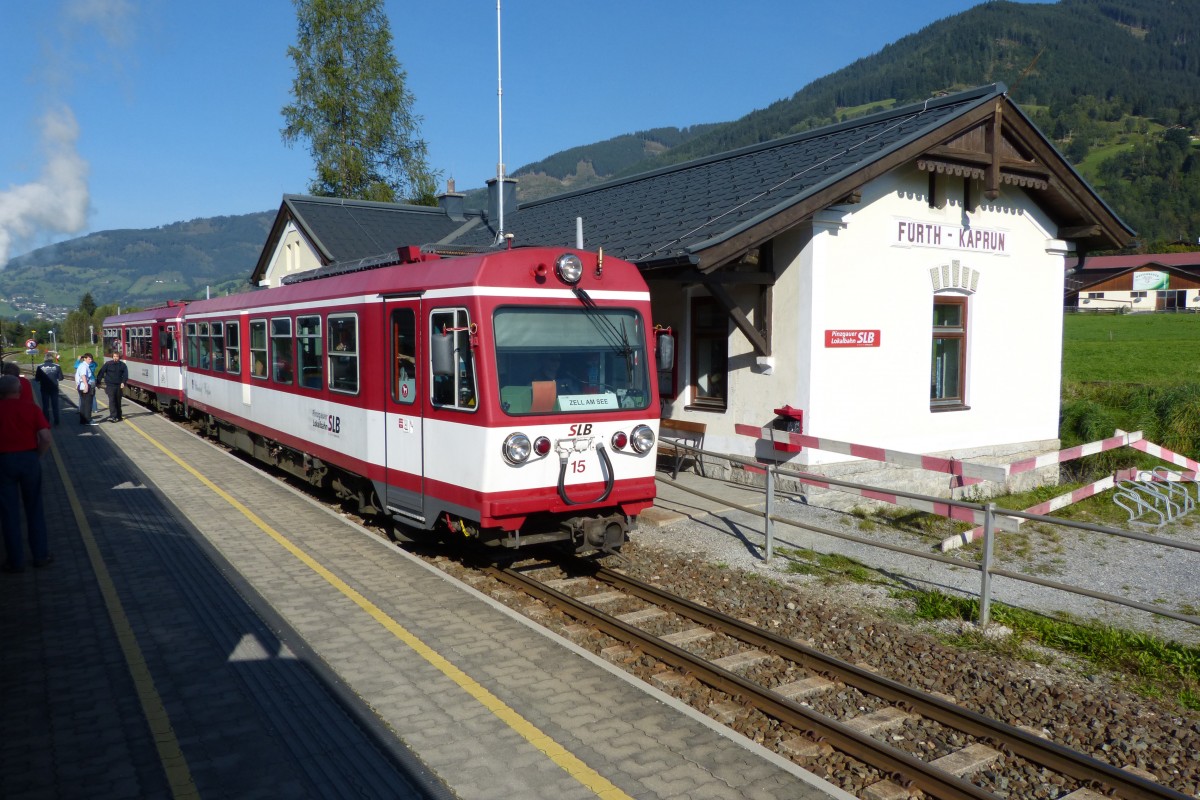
x: 896, y: 277
x: 1134, y: 283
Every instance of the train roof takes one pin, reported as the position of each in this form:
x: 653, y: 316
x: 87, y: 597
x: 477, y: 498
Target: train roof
x: 500, y: 268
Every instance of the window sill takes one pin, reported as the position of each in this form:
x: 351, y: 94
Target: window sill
x: 712, y: 408
x: 938, y: 409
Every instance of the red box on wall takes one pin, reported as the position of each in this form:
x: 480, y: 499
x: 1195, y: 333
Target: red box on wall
x: 791, y: 420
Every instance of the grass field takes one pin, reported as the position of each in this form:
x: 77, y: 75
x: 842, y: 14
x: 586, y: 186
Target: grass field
x: 1158, y: 349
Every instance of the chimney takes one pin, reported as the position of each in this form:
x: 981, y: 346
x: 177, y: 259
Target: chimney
x: 510, y: 200
x: 452, y: 203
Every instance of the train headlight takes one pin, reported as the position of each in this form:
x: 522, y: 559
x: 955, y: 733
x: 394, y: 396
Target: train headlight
x: 643, y: 439
x: 517, y: 448
x: 619, y: 440
x: 569, y: 268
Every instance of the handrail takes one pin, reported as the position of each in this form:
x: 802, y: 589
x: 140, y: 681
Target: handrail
x: 990, y: 513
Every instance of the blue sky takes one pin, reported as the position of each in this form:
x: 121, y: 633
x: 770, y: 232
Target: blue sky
x: 139, y: 113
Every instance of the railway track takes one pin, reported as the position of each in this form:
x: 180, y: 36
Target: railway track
x: 756, y: 669
x: 667, y: 628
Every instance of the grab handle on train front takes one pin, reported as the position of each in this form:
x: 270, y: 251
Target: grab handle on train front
x: 605, y: 466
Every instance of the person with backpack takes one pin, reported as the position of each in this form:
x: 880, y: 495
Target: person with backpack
x: 48, y: 375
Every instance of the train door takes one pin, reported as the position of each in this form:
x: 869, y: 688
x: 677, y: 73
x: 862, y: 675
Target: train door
x: 404, y: 489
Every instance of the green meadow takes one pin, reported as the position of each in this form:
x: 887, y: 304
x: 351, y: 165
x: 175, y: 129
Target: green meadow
x: 1133, y: 372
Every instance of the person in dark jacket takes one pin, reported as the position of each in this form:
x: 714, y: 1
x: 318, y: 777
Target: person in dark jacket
x: 113, y: 376
x: 48, y: 375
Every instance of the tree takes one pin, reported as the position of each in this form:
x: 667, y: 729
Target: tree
x: 87, y: 305
x: 351, y: 105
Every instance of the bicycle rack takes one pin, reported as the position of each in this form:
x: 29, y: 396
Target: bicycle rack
x: 1164, y: 498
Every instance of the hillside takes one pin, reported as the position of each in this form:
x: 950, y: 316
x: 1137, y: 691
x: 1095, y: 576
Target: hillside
x: 136, y: 267
x: 1114, y: 83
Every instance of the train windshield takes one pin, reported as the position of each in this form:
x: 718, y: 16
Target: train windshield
x: 571, y: 359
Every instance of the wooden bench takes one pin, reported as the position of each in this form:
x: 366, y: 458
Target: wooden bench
x: 679, y: 439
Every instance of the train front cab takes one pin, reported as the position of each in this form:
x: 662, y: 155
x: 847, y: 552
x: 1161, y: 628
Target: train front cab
x: 495, y: 446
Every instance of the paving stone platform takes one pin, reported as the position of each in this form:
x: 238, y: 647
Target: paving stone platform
x: 205, y: 630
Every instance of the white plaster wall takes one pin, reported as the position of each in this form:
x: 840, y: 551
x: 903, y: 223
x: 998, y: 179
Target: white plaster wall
x: 845, y: 272
x: 304, y: 257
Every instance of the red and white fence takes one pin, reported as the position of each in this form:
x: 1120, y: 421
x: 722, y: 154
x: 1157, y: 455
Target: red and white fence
x: 966, y: 473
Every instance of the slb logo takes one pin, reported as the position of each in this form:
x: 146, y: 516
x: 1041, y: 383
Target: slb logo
x: 581, y: 429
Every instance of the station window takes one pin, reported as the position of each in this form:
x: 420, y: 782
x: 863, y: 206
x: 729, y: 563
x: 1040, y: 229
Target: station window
x: 308, y: 352
x: 343, y: 353
x: 258, y: 348
x: 233, y: 361
x: 404, y: 356
x: 282, y: 363
x: 948, y: 368
x: 710, y: 353
x: 452, y: 359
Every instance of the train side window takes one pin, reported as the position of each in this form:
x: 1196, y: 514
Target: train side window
x: 308, y: 351
x: 193, y: 345
x: 233, y: 361
x: 258, y: 348
x: 281, y: 350
x: 166, y: 344
x: 205, y: 344
x: 404, y: 356
x: 343, y: 353
x: 452, y: 360
x: 218, y: 347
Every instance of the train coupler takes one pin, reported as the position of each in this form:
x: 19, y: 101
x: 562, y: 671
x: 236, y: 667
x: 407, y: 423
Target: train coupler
x: 605, y: 534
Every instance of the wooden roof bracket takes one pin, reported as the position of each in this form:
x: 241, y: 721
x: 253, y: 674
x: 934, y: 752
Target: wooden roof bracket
x: 995, y: 150
x: 759, y: 340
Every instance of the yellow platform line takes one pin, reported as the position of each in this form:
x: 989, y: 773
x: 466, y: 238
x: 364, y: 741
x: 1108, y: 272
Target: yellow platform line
x: 170, y: 755
x: 558, y: 754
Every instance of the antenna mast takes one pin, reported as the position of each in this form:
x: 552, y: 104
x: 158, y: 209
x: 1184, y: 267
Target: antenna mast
x: 500, y: 131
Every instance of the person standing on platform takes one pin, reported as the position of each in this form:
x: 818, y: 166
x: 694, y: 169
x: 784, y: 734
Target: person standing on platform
x: 113, y: 375
x: 12, y: 368
x: 86, y: 387
x: 48, y: 375
x: 24, y: 436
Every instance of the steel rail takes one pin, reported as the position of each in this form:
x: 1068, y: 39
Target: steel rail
x: 893, y: 763
x: 1059, y: 758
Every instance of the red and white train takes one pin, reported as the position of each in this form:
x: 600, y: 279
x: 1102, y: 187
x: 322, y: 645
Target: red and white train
x: 509, y: 395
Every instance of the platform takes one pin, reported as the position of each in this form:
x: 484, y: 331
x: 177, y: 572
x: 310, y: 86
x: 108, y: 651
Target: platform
x: 205, y: 630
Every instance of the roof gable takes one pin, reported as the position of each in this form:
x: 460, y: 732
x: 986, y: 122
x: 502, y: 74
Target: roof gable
x: 345, y: 230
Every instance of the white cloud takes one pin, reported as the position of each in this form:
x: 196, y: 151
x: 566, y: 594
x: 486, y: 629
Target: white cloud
x: 55, y: 203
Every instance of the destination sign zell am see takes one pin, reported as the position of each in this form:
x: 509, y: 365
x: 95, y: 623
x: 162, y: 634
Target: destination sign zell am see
x: 848, y: 338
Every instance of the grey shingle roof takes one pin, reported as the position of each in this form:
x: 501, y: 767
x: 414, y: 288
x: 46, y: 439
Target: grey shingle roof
x: 350, y: 229
x: 672, y: 213
x: 706, y: 211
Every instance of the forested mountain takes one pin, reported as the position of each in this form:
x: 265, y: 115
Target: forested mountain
x: 1114, y: 83
x: 136, y: 267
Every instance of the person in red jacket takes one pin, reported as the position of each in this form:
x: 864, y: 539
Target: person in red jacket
x: 24, y: 437
x: 11, y: 368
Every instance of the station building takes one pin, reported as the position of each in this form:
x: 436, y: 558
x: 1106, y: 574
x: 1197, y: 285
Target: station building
x: 897, y: 278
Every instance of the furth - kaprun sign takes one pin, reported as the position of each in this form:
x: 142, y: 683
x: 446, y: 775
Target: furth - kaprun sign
x: 914, y: 233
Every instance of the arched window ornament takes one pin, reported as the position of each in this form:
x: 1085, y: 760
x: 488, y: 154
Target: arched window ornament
x: 954, y: 276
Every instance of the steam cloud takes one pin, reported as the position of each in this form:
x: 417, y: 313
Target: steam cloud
x: 57, y: 202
